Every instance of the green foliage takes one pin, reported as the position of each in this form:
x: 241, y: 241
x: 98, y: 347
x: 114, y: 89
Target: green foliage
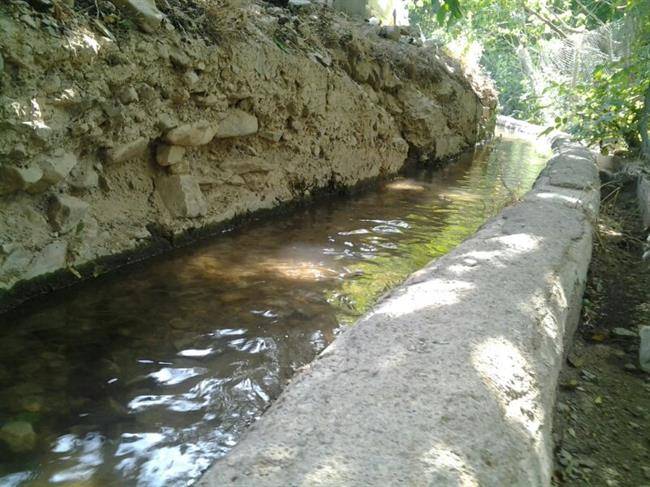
x: 609, y: 108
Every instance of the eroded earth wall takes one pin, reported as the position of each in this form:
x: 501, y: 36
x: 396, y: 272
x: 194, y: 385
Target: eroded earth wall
x: 113, y: 135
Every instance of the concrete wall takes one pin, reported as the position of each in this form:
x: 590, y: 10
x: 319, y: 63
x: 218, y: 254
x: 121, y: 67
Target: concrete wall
x: 451, y: 379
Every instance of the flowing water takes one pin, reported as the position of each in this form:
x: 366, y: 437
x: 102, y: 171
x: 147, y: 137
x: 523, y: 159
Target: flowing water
x: 147, y: 376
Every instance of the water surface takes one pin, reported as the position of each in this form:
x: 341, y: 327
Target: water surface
x: 147, y: 376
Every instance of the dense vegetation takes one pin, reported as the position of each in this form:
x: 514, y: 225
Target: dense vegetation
x: 578, y: 65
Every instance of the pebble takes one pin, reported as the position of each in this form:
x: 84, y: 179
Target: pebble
x: 630, y: 367
x: 55, y: 167
x: 586, y: 375
x: 126, y: 151
x: 623, y: 333
x: 237, y: 123
x: 19, y: 436
x: 198, y: 133
x: 190, y: 78
x: 66, y: 212
x: 128, y: 95
x: 167, y: 155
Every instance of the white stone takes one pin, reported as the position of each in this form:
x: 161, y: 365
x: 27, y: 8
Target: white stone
x: 66, y: 212
x: 182, y: 195
x: 212, y: 101
x: 148, y: 17
x: 199, y: 133
x: 237, y: 123
x: 623, y: 333
x: 167, y: 155
x: 182, y: 167
x: 55, y: 168
x: 13, y: 178
x: 15, y: 261
x: 50, y: 259
x: 84, y: 177
x: 129, y: 150
x: 190, y: 78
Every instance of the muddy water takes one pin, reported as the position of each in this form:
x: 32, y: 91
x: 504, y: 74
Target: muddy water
x: 146, y: 377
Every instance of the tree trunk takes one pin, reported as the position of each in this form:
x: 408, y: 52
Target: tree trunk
x: 644, y: 121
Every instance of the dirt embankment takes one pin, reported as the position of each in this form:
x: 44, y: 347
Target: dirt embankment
x: 121, y: 123
x: 602, y: 420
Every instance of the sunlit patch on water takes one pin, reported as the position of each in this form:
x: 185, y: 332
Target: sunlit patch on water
x: 148, y: 376
x: 405, y: 185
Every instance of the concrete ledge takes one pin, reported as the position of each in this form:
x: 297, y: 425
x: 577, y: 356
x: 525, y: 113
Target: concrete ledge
x: 451, y: 379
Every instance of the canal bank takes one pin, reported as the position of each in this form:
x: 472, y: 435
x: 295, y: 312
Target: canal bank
x: 120, y: 143
x: 451, y: 379
x: 146, y: 375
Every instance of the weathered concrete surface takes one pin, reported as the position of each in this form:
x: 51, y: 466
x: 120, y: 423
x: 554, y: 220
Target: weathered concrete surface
x: 451, y: 379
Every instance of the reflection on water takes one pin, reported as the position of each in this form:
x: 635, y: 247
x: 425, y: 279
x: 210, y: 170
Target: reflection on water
x: 146, y: 377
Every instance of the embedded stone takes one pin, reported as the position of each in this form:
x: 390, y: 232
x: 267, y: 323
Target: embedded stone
x: 182, y: 195
x: 237, y: 123
x: 19, y: 436
x: 212, y: 101
x: 147, y: 15
x: 13, y: 260
x: 168, y: 155
x: 66, y: 212
x: 190, y: 78
x: 272, y: 135
x: 126, y: 151
x: 50, y: 259
x: 199, y: 133
x: 179, y: 59
x: 390, y: 32
x: 182, y: 167
x: 84, y: 177
x: 128, y: 95
x: 57, y: 167
x: 13, y: 178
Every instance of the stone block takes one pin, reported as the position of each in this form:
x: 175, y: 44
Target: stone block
x: 13, y: 178
x: 199, y: 133
x: 237, y: 123
x: 129, y: 150
x: 50, y: 259
x: 182, y: 195
x: 167, y: 155
x: 66, y: 212
x: 147, y: 15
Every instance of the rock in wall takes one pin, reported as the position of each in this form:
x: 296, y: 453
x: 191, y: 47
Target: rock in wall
x: 110, y: 133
